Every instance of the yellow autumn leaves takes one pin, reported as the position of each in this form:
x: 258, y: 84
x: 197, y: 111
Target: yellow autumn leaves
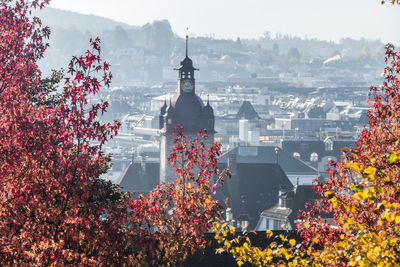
x: 243, y: 251
x: 366, y: 193
x: 369, y: 171
x: 390, y: 213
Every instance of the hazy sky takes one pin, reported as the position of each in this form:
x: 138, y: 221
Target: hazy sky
x: 323, y: 19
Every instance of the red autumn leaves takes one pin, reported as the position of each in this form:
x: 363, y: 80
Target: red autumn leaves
x: 54, y: 209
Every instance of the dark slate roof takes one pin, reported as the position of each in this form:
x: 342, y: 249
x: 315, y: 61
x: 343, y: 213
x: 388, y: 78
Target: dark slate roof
x: 136, y: 179
x: 303, y: 194
x: 190, y: 100
x: 338, y: 144
x: 317, y: 112
x: 266, y: 154
x: 253, y: 188
x: 187, y: 64
x: 247, y: 111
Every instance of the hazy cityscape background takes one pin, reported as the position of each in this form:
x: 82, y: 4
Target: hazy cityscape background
x: 288, y: 87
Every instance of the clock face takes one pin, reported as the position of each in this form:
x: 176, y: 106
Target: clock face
x: 187, y: 86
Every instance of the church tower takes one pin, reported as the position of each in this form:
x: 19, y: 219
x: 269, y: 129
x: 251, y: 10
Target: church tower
x: 186, y: 109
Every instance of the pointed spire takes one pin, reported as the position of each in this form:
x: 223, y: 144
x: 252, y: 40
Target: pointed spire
x: 170, y: 99
x: 187, y: 37
x: 208, y: 99
x: 164, y: 107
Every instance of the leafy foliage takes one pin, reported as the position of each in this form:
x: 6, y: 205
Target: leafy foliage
x: 50, y: 86
x: 54, y: 208
x: 361, y: 193
x: 169, y: 223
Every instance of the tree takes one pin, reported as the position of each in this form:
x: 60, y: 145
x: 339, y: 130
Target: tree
x: 48, y: 164
x: 54, y: 208
x: 362, y: 194
x: 121, y: 38
x: 159, y: 38
x: 362, y: 191
x: 169, y: 223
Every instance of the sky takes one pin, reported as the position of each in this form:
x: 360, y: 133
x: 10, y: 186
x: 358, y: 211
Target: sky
x: 322, y: 19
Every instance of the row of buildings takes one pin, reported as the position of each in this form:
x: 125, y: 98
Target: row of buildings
x: 274, y: 155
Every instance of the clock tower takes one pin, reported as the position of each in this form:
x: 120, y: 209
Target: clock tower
x: 186, y: 82
x: 186, y: 109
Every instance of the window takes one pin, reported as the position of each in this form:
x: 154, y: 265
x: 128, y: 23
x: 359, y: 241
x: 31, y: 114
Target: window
x: 277, y: 225
x: 270, y: 224
x: 248, y: 151
x: 314, y: 157
x: 328, y: 144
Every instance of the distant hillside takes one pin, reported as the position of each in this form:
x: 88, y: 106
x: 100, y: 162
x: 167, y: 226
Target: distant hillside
x: 56, y: 18
x: 147, y: 54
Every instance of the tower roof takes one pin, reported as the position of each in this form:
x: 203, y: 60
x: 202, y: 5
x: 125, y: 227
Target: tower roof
x: 247, y: 111
x: 164, y: 107
x: 186, y: 107
x: 186, y: 62
x: 208, y: 109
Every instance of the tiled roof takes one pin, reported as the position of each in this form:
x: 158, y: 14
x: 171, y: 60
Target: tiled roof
x: 137, y: 179
x: 253, y: 188
x: 266, y: 154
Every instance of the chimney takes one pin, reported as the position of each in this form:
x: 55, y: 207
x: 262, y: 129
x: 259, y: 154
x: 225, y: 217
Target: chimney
x: 282, y: 196
x: 229, y: 215
x: 143, y: 163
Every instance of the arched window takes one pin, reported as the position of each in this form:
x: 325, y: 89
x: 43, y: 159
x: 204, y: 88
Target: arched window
x: 328, y: 144
x: 314, y: 157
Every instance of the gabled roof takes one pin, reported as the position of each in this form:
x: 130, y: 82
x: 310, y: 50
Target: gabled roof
x: 247, y: 111
x: 253, y: 188
x: 137, y: 179
x: 266, y: 154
